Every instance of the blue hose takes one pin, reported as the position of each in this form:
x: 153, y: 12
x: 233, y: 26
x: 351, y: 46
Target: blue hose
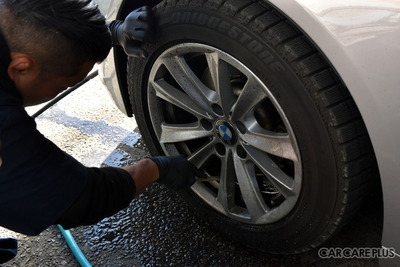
x: 80, y: 257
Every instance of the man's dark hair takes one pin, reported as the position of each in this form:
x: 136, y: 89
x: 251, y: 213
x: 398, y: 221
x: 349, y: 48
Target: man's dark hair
x: 53, y: 31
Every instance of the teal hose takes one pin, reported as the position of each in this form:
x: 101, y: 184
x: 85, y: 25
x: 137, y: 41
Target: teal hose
x: 80, y: 257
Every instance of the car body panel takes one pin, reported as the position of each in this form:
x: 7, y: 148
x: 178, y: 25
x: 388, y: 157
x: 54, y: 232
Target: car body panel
x: 113, y: 70
x: 361, y: 38
x: 107, y: 70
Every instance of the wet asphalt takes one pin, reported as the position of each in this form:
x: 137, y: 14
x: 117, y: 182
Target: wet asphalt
x: 158, y: 228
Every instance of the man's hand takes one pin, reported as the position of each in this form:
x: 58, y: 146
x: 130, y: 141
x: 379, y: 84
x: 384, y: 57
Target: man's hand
x: 137, y: 28
x: 176, y: 172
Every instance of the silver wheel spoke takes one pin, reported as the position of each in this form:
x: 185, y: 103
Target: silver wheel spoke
x: 172, y: 133
x: 274, y: 174
x: 189, y: 82
x: 278, y: 144
x: 248, y: 98
x: 176, y: 97
x: 249, y: 189
x: 221, y: 78
x: 226, y: 189
x: 199, y: 157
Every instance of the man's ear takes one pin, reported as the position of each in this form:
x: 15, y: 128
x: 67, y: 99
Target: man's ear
x: 22, y: 68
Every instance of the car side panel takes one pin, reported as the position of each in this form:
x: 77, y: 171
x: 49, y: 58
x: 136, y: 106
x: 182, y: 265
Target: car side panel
x: 107, y: 70
x: 113, y: 70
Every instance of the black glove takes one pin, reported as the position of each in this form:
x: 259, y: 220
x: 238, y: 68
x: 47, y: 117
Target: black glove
x: 176, y: 172
x: 137, y: 28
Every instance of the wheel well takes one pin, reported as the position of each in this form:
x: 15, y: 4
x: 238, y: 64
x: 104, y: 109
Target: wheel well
x: 121, y: 59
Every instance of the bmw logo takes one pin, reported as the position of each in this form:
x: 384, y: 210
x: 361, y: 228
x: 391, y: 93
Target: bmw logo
x: 225, y: 132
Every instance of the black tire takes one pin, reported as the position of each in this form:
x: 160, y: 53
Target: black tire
x: 330, y: 165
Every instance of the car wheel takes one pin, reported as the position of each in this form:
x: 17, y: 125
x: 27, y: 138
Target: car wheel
x: 236, y: 87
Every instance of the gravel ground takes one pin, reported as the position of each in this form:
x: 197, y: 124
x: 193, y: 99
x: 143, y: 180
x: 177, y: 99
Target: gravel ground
x: 158, y: 228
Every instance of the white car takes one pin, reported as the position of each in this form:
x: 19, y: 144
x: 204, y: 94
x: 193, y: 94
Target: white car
x: 291, y: 107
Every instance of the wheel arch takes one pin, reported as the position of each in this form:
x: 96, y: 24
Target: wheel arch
x: 120, y: 58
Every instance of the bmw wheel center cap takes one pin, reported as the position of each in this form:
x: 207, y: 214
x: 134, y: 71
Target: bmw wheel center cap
x: 225, y: 132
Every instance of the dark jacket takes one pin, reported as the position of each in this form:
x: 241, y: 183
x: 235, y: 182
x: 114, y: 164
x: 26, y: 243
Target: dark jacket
x: 38, y: 181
